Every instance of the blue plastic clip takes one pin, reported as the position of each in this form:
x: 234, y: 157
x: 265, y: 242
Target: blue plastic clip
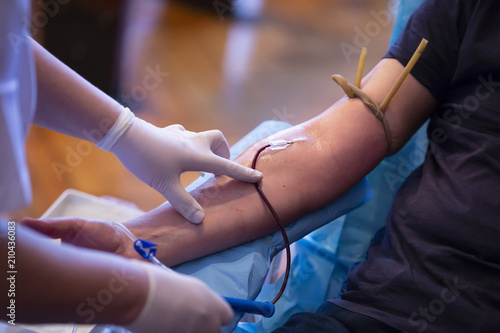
x: 145, y: 248
x: 265, y: 309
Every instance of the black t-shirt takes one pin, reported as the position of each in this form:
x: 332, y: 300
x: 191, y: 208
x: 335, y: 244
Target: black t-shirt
x: 435, y: 267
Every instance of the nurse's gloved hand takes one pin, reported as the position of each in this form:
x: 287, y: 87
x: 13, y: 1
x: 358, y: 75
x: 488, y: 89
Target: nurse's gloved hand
x: 88, y: 233
x: 158, y: 156
x: 179, y: 303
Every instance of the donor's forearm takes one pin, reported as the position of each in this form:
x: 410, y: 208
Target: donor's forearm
x: 334, y: 151
x: 308, y: 174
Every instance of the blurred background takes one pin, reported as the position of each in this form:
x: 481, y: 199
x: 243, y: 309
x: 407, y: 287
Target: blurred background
x: 204, y: 64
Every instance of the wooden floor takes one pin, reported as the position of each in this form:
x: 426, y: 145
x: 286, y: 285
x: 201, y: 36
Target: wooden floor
x: 223, y: 73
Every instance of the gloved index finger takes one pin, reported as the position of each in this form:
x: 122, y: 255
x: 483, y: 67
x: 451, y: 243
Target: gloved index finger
x: 222, y: 166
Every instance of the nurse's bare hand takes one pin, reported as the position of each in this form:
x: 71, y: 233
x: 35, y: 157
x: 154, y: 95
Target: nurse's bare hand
x: 91, y: 234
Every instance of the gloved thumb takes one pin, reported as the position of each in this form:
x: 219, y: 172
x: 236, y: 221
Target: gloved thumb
x: 184, y: 203
x: 61, y: 227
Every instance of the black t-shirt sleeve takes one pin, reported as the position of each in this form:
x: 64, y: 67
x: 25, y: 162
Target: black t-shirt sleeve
x: 443, y: 24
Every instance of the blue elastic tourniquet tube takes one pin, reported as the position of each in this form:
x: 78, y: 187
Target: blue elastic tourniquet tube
x: 262, y: 308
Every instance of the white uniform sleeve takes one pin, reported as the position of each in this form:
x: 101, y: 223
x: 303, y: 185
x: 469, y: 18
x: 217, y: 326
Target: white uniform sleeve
x: 17, y: 102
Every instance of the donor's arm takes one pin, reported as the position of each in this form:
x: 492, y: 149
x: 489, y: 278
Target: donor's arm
x: 335, y: 150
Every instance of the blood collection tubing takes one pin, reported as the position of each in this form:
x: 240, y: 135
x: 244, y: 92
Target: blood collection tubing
x: 278, y: 144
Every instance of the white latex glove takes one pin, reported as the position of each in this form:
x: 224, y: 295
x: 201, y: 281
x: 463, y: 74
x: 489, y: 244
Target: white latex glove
x: 179, y: 303
x: 158, y: 156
